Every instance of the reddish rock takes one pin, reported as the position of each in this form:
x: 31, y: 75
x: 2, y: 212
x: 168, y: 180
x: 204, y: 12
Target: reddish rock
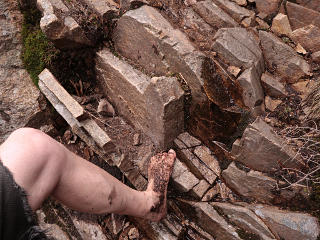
x: 308, y: 37
x: 270, y: 7
x: 272, y: 86
x: 281, y: 25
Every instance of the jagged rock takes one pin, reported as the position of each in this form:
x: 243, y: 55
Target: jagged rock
x: 308, y: 37
x: 272, y: 86
x: 200, y: 189
x: 105, y: 108
x: 173, y: 224
x: 248, y: 22
x: 234, y: 10
x: 269, y: 7
x: 209, y: 219
x: 281, y: 25
x: 165, y: 49
x: 282, y: 58
x: 311, y: 4
x: 302, y: 88
x: 206, y: 156
x: 213, y: 15
x: 188, y: 140
x: 245, y: 219
x: 262, y: 24
x: 105, y: 9
x: 153, y: 105
x: 257, y: 186
x: 213, y: 192
x: 182, y: 177
x: 61, y: 28
x: 288, y: 225
x: 316, y: 57
x: 263, y: 150
x: 241, y: 2
x: 126, y: 5
x: 300, y: 49
x: 300, y: 16
x: 234, y: 70
x: 19, y: 97
x: 52, y: 230
x: 272, y: 104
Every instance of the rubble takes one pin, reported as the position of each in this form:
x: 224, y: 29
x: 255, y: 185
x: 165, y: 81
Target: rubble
x: 105, y: 9
x: 308, y: 37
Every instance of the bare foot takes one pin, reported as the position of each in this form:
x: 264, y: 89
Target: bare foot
x: 159, y: 172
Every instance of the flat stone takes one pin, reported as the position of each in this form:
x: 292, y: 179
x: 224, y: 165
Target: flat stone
x: 165, y: 49
x: 154, y: 105
x: 272, y: 104
x: 270, y: 7
x: 245, y: 219
x: 262, y: 24
x: 316, y: 57
x: 288, y: 225
x: 257, y: 186
x: 98, y: 135
x: 234, y: 70
x: 173, y: 224
x: 206, y: 156
x: 311, y: 4
x: 281, y: 25
x: 89, y: 230
x: 200, y: 189
x: 183, y: 179
x: 214, y: 15
x: 234, y: 10
x: 106, y: 9
x: 188, y: 140
x: 263, y: 150
x: 300, y: 16
x: 198, y: 168
x: 308, y: 37
x: 272, y: 86
x: 209, y: 220
x: 279, y: 56
x: 248, y: 22
x: 51, y: 83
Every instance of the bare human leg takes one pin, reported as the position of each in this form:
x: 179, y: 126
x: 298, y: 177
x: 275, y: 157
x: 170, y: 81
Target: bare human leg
x: 44, y: 167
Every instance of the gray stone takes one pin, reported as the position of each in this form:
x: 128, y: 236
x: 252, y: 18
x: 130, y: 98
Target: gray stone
x: 52, y: 230
x: 106, y: 9
x: 165, y: 49
x: 200, y: 189
x: 19, y: 97
x: 308, y: 37
x: 257, y: 186
x: 281, y: 25
x: 206, y: 156
x: 245, y: 219
x: 61, y: 28
x: 270, y: 7
x: 183, y: 179
x: 316, y: 57
x: 189, y: 140
x: 154, y: 105
x: 300, y: 16
x: 272, y: 86
x: 279, y: 56
x: 213, y: 15
x: 234, y: 10
x: 288, y: 225
x: 196, y: 166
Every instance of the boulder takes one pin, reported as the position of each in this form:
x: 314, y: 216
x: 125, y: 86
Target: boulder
x: 269, y: 7
x: 154, y: 105
x: 263, y: 150
x: 272, y: 86
x: 308, y: 37
x: 288, y: 225
x: 213, y: 15
x: 19, y: 97
x: 282, y: 58
x: 60, y: 27
x: 281, y: 25
x: 301, y: 16
x: 245, y: 219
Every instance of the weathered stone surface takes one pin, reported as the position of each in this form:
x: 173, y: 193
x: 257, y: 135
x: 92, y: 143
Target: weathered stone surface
x: 153, y: 105
x: 245, y: 219
x: 105, y: 9
x: 51, y: 83
x: 300, y: 16
x: 89, y: 230
x: 272, y: 86
x: 263, y: 150
x: 182, y: 177
x: 213, y: 192
x: 311, y: 4
x: 173, y: 224
x: 234, y: 70
x: 18, y: 95
x: 257, y: 186
x: 126, y: 5
x: 188, y: 140
x: 262, y: 24
x: 300, y: 49
x: 105, y: 108
x: 206, y: 156
x: 52, y: 230
x: 200, y: 189
x: 288, y: 225
x: 209, y: 219
x: 281, y: 25
x: 165, y: 49
x: 59, y: 27
x: 279, y: 56
x: 241, y: 2
x: 272, y: 104
x: 270, y: 7
x: 234, y: 10
x: 316, y: 57
x: 213, y: 15
x: 308, y: 37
